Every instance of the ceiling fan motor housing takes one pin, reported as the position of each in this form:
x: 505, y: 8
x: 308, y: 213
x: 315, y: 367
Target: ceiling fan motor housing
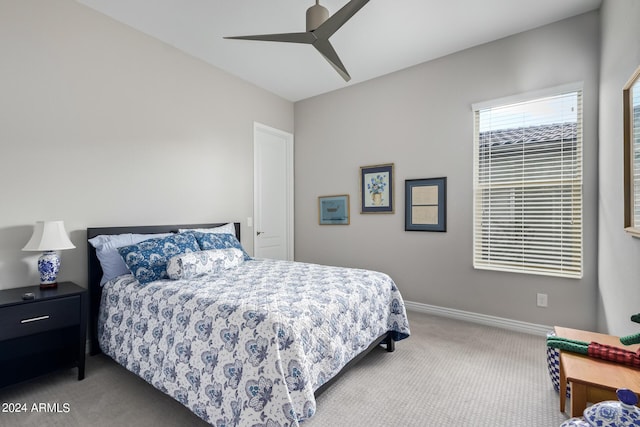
x: 316, y: 15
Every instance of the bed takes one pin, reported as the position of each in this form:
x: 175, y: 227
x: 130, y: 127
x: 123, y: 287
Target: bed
x: 252, y: 344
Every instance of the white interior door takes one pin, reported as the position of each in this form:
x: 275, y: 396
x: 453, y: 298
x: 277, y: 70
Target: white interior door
x: 273, y: 193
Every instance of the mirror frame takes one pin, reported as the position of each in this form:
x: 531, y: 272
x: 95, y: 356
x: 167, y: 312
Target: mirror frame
x: 629, y: 223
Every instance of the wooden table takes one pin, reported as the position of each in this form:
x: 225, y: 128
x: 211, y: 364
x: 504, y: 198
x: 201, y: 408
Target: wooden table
x: 593, y: 380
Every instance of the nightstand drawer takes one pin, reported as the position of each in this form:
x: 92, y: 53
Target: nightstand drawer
x: 26, y: 319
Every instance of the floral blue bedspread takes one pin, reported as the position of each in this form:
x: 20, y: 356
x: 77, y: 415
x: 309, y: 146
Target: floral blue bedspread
x: 249, y: 345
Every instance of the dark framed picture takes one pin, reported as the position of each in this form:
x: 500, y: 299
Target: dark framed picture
x: 333, y: 210
x: 426, y: 204
x: 376, y: 189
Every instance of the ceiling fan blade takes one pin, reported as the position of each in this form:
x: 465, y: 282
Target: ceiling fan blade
x: 339, y: 18
x: 306, y: 37
x: 324, y: 47
x: 319, y: 37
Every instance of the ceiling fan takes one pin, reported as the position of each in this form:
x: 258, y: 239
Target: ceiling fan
x: 319, y: 28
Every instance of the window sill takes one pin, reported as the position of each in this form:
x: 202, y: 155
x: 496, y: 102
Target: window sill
x: 634, y: 231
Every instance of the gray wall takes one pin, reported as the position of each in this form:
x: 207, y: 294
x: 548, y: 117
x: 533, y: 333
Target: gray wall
x: 619, y: 253
x: 101, y: 125
x: 121, y: 126
x: 421, y: 120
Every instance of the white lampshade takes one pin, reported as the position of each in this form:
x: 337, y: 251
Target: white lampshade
x: 48, y: 236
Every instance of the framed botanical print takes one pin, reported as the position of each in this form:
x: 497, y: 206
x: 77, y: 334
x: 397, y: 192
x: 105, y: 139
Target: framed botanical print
x: 426, y: 204
x: 376, y: 189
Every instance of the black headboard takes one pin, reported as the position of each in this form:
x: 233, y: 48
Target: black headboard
x: 95, y: 270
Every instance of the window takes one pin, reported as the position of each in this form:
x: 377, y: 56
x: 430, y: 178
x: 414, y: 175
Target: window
x: 631, y: 97
x: 528, y: 183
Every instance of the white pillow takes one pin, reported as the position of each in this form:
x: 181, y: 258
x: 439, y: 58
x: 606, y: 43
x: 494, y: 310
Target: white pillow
x: 107, y: 252
x: 229, y: 228
x: 194, y: 264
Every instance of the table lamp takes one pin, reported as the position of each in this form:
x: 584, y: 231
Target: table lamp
x: 48, y: 236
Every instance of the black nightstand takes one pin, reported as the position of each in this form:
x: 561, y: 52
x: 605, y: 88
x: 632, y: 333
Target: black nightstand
x: 42, y: 334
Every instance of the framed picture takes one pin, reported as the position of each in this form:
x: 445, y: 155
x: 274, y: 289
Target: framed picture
x: 376, y: 189
x: 333, y: 210
x: 426, y: 204
x: 631, y: 110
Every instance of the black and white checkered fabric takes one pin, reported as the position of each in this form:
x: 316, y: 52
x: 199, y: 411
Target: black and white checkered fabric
x: 553, y: 364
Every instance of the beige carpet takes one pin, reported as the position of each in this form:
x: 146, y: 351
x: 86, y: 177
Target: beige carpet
x: 448, y: 373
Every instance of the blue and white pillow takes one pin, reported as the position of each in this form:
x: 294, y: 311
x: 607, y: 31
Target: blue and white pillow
x: 147, y: 260
x: 194, y: 264
x: 107, y: 252
x: 208, y: 241
x: 229, y: 228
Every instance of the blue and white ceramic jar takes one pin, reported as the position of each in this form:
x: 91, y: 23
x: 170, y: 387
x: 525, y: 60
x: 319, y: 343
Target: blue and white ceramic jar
x: 621, y: 413
x: 48, y: 267
x: 575, y: 422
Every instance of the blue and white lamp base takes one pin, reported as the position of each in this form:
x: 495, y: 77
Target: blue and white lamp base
x: 49, y: 266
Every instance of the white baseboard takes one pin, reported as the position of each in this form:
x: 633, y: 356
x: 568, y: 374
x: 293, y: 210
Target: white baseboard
x: 483, y: 319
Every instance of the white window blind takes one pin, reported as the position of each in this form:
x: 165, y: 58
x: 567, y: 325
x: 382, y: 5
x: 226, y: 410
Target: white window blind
x: 528, y: 185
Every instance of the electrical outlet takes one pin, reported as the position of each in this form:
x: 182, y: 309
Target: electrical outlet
x: 543, y: 300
